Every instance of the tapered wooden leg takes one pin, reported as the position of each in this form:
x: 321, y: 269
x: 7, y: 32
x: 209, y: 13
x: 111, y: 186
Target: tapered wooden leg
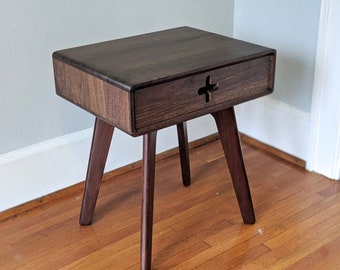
x: 229, y: 136
x: 184, y: 152
x: 101, y: 141
x: 149, y: 154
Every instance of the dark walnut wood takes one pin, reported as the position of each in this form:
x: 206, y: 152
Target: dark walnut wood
x: 184, y: 152
x: 151, y: 81
x: 158, y: 106
x: 149, y: 158
x: 227, y: 129
x: 144, y: 83
x: 101, y: 141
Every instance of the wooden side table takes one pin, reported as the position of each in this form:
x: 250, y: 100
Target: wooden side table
x: 144, y: 83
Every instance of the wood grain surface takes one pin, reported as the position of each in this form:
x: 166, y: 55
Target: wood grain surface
x: 144, y: 83
x: 141, y: 61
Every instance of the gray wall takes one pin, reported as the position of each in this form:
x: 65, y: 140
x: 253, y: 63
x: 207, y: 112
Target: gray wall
x: 291, y: 27
x: 31, y: 30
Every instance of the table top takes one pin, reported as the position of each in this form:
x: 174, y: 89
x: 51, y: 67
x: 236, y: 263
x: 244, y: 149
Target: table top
x: 148, y: 82
x: 141, y: 61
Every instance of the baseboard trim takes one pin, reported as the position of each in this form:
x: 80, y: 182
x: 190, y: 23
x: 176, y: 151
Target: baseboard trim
x: 40, y: 169
x: 276, y: 124
x: 273, y: 151
x: 79, y: 187
x: 61, y: 162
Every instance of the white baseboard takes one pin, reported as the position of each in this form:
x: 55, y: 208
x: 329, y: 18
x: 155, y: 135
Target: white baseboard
x: 277, y: 124
x: 40, y: 169
x: 32, y: 172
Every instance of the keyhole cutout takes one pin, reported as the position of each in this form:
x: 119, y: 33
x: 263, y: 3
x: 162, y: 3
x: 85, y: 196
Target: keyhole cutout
x: 208, y: 88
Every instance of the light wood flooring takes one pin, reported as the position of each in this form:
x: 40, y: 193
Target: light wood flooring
x: 196, y: 227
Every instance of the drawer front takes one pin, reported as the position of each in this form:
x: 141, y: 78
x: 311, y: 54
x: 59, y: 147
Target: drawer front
x: 176, y: 101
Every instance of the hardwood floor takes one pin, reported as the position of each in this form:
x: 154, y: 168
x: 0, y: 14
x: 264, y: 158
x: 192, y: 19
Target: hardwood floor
x: 196, y: 227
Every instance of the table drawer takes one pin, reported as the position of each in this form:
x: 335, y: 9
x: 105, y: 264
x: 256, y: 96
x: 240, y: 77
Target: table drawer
x: 176, y: 101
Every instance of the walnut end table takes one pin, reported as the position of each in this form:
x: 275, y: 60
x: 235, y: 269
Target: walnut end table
x: 144, y: 83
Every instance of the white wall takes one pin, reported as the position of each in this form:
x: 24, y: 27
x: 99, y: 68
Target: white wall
x: 324, y: 154
x: 44, y: 140
x: 291, y: 27
x: 31, y: 30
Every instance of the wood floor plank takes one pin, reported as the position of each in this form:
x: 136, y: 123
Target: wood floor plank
x: 195, y: 227
x: 325, y: 257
